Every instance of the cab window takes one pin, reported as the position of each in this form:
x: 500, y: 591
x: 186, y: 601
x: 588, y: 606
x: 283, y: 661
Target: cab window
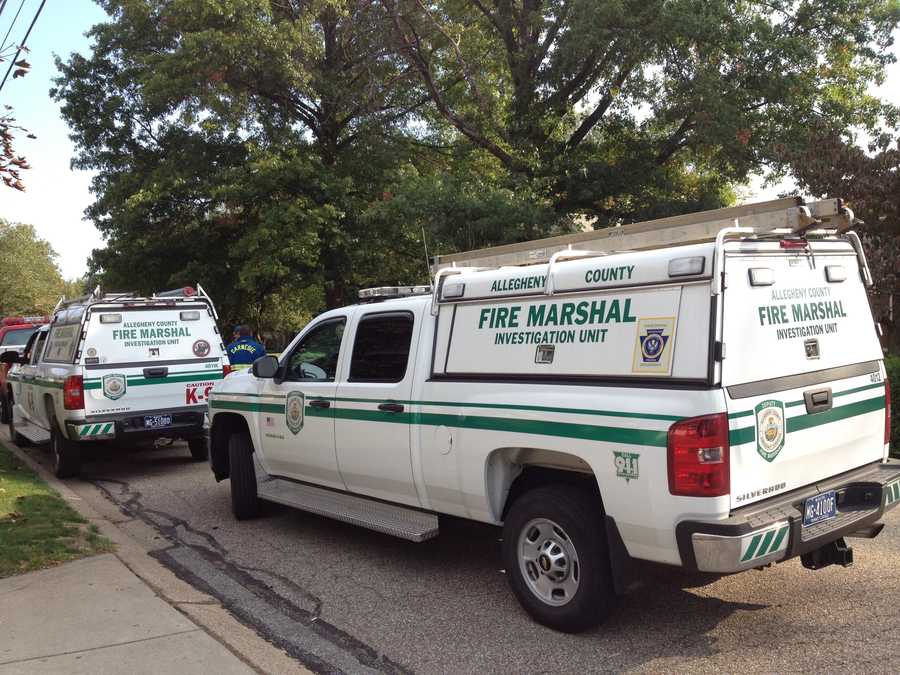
x: 38, y: 347
x: 315, y: 357
x: 381, y: 348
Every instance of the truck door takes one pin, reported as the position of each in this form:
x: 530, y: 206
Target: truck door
x: 297, y: 423
x: 30, y: 393
x: 372, y: 417
x: 802, y: 370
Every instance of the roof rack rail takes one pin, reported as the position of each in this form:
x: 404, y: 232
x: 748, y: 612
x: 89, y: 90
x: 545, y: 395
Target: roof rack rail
x: 380, y: 293
x: 790, y: 215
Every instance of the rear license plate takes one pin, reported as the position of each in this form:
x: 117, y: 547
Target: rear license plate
x: 820, y: 508
x: 157, y: 421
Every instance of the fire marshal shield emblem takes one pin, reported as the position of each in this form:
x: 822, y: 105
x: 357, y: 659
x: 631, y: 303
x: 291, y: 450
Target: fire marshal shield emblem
x: 114, y: 386
x: 769, y: 429
x: 294, y: 405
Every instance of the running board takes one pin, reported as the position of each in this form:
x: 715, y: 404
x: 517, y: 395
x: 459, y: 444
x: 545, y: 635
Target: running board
x: 33, y: 433
x: 397, y: 521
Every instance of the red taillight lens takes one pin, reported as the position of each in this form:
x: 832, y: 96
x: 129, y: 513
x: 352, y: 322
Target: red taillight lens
x: 226, y: 369
x: 698, y: 457
x: 794, y: 243
x: 73, y: 393
x: 887, y: 412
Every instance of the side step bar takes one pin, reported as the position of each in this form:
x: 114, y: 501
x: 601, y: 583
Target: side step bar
x: 33, y: 433
x: 398, y: 521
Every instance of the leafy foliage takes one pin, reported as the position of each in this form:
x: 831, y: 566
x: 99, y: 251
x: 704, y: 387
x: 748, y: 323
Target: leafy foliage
x: 285, y: 153
x: 30, y: 282
x: 834, y: 165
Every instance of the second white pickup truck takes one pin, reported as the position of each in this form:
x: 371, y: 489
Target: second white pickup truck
x: 717, y: 406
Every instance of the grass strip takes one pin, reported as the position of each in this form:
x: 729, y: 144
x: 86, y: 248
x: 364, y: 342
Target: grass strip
x: 38, y: 528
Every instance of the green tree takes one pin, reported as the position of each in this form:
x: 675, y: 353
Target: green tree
x: 30, y: 282
x: 833, y: 163
x: 618, y: 106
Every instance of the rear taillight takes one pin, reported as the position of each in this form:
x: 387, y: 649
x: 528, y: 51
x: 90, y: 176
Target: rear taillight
x: 887, y: 412
x: 73, y: 393
x: 698, y: 456
x: 226, y: 369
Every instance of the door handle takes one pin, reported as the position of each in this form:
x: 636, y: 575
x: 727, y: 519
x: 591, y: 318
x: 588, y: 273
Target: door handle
x: 391, y: 407
x: 817, y: 401
x: 155, y: 373
x: 319, y: 403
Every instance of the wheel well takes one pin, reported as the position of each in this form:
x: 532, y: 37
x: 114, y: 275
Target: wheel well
x: 223, y: 426
x: 510, y: 472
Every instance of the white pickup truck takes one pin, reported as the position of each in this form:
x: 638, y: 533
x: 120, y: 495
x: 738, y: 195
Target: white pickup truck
x: 718, y: 406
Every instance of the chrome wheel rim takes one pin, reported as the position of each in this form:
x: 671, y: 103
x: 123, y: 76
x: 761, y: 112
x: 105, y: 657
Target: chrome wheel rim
x: 549, y: 562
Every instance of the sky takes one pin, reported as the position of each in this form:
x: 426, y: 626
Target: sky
x: 56, y: 196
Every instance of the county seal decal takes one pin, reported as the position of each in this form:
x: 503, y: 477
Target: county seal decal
x: 653, y: 349
x: 114, y: 386
x: 769, y: 429
x: 294, y: 405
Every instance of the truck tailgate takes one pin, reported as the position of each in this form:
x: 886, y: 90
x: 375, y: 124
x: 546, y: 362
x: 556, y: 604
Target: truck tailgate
x: 803, y: 372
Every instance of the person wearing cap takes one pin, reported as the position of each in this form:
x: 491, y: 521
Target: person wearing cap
x: 244, y: 350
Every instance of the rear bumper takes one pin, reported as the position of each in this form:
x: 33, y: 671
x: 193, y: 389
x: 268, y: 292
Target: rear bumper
x: 772, y: 530
x: 186, y: 423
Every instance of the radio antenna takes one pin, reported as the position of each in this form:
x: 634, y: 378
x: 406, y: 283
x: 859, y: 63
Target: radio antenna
x: 427, y: 266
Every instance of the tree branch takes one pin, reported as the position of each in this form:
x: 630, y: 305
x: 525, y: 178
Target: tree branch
x: 599, y: 111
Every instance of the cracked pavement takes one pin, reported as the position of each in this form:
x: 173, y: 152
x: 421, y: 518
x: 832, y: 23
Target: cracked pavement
x: 344, y: 599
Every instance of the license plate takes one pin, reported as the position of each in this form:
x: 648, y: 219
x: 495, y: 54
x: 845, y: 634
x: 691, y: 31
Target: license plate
x: 820, y: 508
x: 157, y: 421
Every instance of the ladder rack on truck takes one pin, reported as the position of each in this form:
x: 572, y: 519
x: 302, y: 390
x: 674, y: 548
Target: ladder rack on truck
x: 789, y: 216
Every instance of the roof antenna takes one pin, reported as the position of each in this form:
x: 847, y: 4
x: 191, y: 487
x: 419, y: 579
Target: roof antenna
x: 427, y: 265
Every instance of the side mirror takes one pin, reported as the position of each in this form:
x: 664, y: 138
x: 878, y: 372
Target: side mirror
x: 11, y: 357
x: 264, y: 367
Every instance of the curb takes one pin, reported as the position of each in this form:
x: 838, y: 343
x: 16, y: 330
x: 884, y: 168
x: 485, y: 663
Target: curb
x: 203, y: 610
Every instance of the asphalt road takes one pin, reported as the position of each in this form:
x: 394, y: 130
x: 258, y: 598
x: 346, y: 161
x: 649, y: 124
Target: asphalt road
x: 343, y: 599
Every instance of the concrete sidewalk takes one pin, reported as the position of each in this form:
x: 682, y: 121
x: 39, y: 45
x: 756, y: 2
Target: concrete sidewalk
x: 95, y: 616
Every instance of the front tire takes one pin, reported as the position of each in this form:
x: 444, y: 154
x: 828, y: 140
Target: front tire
x: 557, y: 557
x: 66, y: 454
x: 199, y: 448
x: 244, y: 502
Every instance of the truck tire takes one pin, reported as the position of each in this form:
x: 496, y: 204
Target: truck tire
x: 5, y: 410
x: 244, y: 502
x: 557, y: 559
x: 199, y: 448
x: 66, y: 454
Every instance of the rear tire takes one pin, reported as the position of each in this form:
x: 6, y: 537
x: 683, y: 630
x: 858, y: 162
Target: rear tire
x: 244, y: 502
x: 557, y: 557
x: 66, y: 454
x: 5, y: 410
x: 199, y: 448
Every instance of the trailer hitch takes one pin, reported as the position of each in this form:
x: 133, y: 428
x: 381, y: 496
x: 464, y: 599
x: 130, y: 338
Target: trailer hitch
x: 834, y: 553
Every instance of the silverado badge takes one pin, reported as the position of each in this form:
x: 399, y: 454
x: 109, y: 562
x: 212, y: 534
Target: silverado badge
x: 293, y: 410
x: 769, y: 429
x: 114, y: 386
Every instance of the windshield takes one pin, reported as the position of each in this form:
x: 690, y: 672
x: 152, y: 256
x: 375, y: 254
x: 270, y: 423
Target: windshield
x: 17, y: 337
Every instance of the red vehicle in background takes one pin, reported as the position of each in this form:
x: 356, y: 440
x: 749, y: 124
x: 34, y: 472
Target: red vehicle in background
x: 14, y: 334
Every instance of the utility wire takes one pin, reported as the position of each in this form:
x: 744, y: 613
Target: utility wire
x: 15, y: 18
x: 22, y: 44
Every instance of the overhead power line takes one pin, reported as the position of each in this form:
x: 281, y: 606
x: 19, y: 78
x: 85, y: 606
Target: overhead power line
x: 22, y: 44
x: 12, y: 25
